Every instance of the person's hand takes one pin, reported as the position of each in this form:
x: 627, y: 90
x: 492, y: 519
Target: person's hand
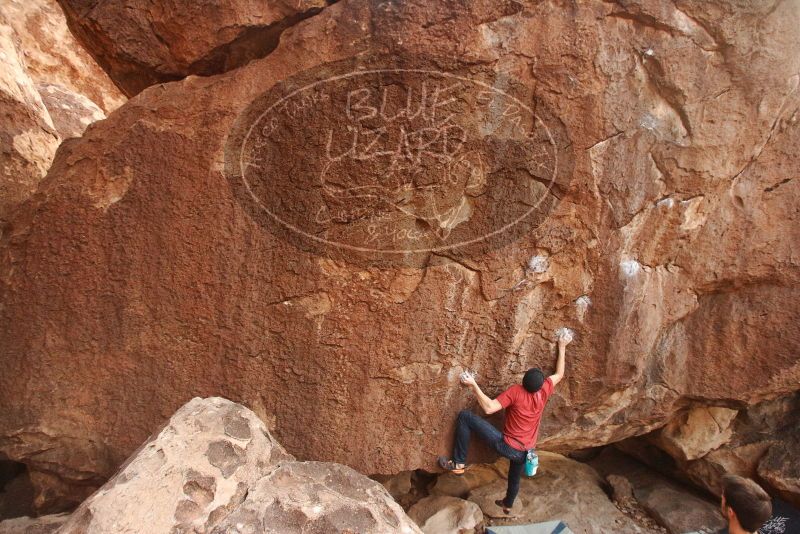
x: 564, y: 337
x: 467, y: 378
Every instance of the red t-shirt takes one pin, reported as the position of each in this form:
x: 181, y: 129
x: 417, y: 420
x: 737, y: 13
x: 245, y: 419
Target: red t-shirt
x: 523, y: 414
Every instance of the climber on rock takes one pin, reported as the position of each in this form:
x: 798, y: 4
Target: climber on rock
x: 524, y: 405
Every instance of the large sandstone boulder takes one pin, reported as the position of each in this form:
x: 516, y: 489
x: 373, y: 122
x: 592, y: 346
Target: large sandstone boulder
x: 50, y: 89
x: 142, y: 43
x: 474, y: 477
x: 768, y: 426
x: 215, y: 468
x: 400, y: 191
x: 28, y: 139
x: 562, y: 489
x: 53, y: 56
x: 442, y: 514
x: 696, y: 432
x: 301, y: 497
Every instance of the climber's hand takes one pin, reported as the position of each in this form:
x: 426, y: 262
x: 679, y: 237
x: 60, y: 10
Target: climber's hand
x: 468, y: 380
x: 564, y: 340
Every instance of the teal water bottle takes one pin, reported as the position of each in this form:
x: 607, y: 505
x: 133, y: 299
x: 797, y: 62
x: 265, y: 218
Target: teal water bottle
x: 531, y: 463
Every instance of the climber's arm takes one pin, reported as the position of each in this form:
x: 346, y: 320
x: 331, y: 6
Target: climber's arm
x: 488, y: 405
x: 560, y: 362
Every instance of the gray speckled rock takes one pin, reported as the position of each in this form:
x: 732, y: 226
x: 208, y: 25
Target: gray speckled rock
x: 316, y: 497
x: 215, y: 468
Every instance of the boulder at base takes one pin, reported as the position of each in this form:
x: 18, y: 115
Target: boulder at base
x: 562, y: 489
x: 442, y: 514
x: 675, y: 507
x: 215, y: 468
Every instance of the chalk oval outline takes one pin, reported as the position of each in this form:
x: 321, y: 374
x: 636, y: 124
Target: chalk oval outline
x: 338, y: 244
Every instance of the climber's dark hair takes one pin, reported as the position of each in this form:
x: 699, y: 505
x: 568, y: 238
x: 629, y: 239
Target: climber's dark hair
x: 749, y: 501
x: 533, y: 380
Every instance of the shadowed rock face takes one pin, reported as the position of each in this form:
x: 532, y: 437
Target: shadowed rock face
x: 140, y: 43
x: 704, y: 444
x: 147, y: 271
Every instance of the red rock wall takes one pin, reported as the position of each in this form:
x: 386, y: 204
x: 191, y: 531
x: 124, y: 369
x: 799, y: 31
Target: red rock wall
x: 140, y: 276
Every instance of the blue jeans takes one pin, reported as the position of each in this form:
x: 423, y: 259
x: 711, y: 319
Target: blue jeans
x: 467, y: 423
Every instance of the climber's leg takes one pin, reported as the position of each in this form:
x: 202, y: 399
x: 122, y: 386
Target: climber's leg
x: 466, y: 424
x: 515, y: 469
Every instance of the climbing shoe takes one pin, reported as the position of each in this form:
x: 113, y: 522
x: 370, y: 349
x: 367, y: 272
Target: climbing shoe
x: 448, y: 465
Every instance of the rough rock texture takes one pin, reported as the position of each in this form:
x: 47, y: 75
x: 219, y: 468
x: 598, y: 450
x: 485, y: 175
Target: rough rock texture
x: 205, y: 458
x: 28, y: 139
x: 407, y: 487
x: 756, y: 430
x: 399, y: 486
x: 45, y: 524
x: 441, y: 514
x: 50, y: 89
x: 301, y: 497
x: 474, y: 477
x: 697, y: 432
x: 70, y: 112
x: 562, y: 489
x: 141, y: 276
x: 215, y: 468
x: 53, y: 56
x: 780, y: 467
x: 675, y: 507
x: 142, y: 43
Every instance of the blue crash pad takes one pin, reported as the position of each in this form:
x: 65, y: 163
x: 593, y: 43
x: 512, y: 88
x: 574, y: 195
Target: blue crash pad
x: 548, y: 527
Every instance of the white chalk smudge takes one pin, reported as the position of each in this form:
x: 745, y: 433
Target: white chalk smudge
x: 468, y: 375
x: 665, y: 202
x: 582, y: 304
x: 565, y: 333
x: 538, y: 264
x: 648, y: 122
x: 630, y: 267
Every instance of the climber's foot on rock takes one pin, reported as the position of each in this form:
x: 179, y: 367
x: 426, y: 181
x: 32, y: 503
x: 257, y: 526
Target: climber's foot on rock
x: 448, y: 465
x: 501, y: 504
